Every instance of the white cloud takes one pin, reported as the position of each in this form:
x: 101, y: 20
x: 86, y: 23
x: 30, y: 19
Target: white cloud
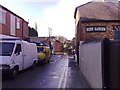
x: 61, y: 18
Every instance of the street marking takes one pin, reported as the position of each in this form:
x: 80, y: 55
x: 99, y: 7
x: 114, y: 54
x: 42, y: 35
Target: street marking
x: 63, y: 79
x: 55, y: 77
x: 42, y: 82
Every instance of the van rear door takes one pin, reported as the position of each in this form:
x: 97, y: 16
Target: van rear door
x: 27, y: 54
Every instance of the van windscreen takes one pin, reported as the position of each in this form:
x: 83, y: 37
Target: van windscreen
x: 40, y: 49
x: 6, y: 48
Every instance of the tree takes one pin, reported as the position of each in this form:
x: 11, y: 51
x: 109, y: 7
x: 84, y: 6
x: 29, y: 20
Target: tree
x: 32, y: 32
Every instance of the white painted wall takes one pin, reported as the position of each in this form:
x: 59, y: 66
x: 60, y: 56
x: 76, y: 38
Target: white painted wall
x: 12, y: 25
x: 90, y: 63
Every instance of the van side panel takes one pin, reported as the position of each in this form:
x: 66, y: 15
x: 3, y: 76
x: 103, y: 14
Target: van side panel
x: 33, y: 51
x: 30, y: 54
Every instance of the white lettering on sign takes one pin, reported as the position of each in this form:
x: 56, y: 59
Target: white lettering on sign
x: 89, y: 29
x: 96, y: 29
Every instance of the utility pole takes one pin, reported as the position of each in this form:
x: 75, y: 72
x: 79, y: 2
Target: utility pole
x: 50, y: 32
x: 35, y: 26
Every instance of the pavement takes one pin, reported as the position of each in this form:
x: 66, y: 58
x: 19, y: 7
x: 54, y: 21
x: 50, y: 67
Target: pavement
x: 75, y: 79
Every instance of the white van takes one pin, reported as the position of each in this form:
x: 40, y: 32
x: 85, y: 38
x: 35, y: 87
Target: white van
x: 16, y: 55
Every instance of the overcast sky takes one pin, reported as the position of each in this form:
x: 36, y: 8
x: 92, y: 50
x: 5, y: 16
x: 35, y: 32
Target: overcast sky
x: 56, y: 14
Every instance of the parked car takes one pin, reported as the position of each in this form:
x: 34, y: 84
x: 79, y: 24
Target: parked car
x: 43, y: 53
x: 16, y: 55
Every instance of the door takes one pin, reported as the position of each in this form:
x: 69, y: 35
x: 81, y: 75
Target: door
x: 117, y: 35
x: 18, y: 56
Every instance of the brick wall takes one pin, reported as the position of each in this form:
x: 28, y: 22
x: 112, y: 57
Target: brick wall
x: 57, y: 46
x: 90, y: 36
x: 8, y: 23
x: 0, y: 28
x: 25, y: 29
x: 5, y: 28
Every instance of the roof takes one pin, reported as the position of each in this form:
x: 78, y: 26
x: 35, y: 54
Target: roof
x: 38, y: 39
x: 41, y: 43
x: 82, y: 19
x: 98, y: 10
x: 12, y: 12
x: 6, y: 37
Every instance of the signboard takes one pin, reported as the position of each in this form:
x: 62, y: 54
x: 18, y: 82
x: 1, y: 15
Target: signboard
x: 116, y: 27
x: 96, y: 29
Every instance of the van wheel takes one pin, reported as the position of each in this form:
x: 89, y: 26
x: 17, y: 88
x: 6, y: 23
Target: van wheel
x: 33, y: 65
x: 48, y: 60
x: 14, y: 73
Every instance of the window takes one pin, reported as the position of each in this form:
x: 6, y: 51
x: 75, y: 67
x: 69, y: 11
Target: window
x: 18, y: 24
x: 18, y: 49
x: 2, y: 17
x: 6, y: 48
x: 40, y: 49
x: 117, y: 35
x: 116, y: 29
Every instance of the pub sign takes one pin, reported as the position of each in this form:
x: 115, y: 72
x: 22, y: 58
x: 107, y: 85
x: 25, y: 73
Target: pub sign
x: 95, y: 29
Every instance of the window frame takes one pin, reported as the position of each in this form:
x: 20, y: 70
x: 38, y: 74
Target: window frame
x: 18, y: 49
x: 18, y: 23
x: 2, y: 17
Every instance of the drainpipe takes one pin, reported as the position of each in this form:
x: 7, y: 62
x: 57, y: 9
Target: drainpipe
x: 22, y: 29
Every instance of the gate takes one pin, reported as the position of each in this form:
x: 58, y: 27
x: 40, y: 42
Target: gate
x: 114, y: 64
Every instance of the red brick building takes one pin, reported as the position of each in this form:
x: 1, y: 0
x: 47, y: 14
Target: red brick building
x: 12, y: 24
x: 96, y: 20
x: 56, y: 44
x: 57, y: 47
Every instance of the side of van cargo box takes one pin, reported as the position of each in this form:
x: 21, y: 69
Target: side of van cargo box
x: 16, y: 55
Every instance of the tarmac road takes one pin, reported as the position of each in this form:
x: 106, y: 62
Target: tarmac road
x: 61, y: 72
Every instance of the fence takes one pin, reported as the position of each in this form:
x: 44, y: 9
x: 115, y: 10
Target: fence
x: 99, y: 63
